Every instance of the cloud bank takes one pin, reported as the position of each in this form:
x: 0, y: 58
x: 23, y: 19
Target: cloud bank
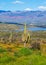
x: 18, y: 2
x: 42, y: 7
x: 28, y: 9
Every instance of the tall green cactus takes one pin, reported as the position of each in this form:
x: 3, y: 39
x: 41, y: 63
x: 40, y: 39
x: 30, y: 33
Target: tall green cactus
x: 10, y: 38
x: 25, y: 36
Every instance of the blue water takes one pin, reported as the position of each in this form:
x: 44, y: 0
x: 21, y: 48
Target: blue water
x: 31, y: 29
x: 35, y: 29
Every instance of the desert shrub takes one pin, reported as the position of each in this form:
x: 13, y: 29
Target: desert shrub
x: 35, y: 45
x: 9, y: 49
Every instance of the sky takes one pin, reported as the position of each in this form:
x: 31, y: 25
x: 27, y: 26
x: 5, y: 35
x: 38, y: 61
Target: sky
x: 22, y: 5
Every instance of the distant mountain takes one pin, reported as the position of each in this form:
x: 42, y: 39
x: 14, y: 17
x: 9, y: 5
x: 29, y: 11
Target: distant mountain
x: 30, y: 17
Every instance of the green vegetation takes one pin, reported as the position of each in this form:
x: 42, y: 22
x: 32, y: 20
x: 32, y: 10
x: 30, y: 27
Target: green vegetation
x: 2, y: 50
x: 23, y: 52
x: 24, y: 56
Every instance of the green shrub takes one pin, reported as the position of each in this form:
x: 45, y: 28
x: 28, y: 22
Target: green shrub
x: 2, y: 50
x: 17, y: 54
x: 6, y: 59
x: 23, y: 52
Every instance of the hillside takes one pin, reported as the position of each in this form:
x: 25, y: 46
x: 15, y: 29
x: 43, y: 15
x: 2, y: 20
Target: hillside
x: 30, y: 17
x: 8, y: 27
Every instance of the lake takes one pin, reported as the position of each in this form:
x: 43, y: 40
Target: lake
x: 31, y: 29
x: 35, y: 29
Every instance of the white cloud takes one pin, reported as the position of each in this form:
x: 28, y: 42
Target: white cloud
x: 28, y: 9
x: 42, y: 7
x: 18, y: 2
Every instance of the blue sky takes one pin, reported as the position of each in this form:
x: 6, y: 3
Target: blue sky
x: 14, y: 5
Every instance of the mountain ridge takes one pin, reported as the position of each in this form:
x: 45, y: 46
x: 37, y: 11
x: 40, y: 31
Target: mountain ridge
x: 30, y: 17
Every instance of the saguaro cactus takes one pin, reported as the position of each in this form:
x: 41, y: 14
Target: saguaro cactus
x: 10, y: 38
x: 2, y: 40
x: 25, y: 36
